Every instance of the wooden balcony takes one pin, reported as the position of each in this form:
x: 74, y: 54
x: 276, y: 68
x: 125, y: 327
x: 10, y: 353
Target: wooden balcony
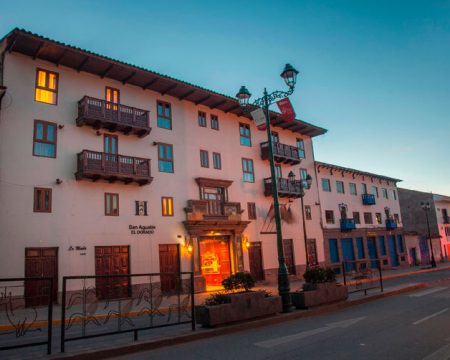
x: 282, y: 153
x: 213, y: 210
x: 286, y: 188
x: 347, y: 224
x: 114, y: 117
x: 391, y: 224
x: 97, y: 165
x: 368, y: 199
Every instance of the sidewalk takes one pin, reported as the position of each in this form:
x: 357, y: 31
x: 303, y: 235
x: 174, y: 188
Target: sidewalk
x: 122, y: 344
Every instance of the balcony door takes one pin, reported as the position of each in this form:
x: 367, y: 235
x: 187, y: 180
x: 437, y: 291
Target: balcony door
x: 110, y: 148
x: 112, y: 97
x: 216, y: 199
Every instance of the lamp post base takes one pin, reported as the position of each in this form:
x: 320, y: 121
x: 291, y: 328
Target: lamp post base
x: 284, y: 290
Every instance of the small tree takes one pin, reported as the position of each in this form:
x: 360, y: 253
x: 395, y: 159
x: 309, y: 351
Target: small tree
x: 241, y: 281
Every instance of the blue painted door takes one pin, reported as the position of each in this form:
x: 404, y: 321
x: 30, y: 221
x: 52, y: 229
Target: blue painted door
x: 372, y: 250
x: 393, y: 250
x: 413, y: 255
x: 348, y: 254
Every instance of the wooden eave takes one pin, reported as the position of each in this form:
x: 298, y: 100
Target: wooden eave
x: 213, y: 182
x: 36, y: 46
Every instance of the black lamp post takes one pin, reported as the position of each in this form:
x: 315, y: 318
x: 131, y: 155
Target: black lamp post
x: 289, y: 75
x: 426, y: 207
x: 305, y: 184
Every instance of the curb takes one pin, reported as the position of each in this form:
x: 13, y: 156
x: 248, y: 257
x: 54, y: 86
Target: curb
x: 225, y: 330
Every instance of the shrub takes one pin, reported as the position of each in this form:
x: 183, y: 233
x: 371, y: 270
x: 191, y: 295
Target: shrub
x: 217, y: 299
x: 241, y: 281
x: 319, y: 275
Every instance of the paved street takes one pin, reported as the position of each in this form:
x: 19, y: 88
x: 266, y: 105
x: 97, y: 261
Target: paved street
x: 410, y: 326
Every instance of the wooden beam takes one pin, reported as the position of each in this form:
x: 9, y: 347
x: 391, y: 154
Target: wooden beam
x: 232, y: 108
x: 108, y: 69
x: 171, y: 87
x: 84, y: 62
x: 12, y: 43
x: 202, y: 99
x: 186, y: 94
x: 221, y: 102
x: 58, y: 61
x: 151, y: 82
x: 36, y: 53
x: 128, y: 78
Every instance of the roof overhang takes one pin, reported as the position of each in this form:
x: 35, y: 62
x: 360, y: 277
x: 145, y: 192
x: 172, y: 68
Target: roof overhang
x: 39, y: 47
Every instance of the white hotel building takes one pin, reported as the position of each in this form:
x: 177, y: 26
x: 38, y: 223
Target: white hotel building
x: 109, y: 168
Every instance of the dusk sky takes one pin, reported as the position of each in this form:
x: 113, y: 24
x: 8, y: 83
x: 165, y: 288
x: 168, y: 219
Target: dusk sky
x: 376, y: 74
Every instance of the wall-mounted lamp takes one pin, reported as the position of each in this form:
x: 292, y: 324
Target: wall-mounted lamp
x: 155, y: 143
x: 245, y: 242
x: 188, y: 245
x: 98, y: 133
x: 58, y: 181
x: 60, y: 127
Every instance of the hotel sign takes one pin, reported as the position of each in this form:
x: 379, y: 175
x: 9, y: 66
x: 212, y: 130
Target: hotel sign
x: 142, y: 229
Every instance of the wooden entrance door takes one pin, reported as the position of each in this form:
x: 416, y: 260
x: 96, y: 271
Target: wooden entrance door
x: 288, y: 250
x: 215, y: 261
x: 255, y: 259
x: 40, y: 262
x: 112, y: 260
x: 169, y: 262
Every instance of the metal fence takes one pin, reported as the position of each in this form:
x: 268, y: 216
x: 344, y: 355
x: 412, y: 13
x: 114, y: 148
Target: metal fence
x: 362, y: 275
x: 103, y: 305
x: 26, y: 310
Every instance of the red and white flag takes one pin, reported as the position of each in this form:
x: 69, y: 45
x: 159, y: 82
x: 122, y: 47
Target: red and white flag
x: 287, y: 111
x: 260, y: 118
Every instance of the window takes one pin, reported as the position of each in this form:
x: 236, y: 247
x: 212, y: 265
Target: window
x: 46, y: 87
x: 42, y: 200
x: 164, y: 119
x: 334, y: 253
x: 340, y: 187
x: 44, y: 139
x: 201, y: 119
x: 326, y: 185
x: 214, y: 122
x: 165, y: 158
x: 167, y: 206
x: 308, y: 213
x: 204, y: 159
x: 384, y: 193
x: 368, y: 218
x: 141, y: 208
x: 378, y: 218
x: 397, y: 219
x: 251, y: 208
x: 301, y: 148
x: 375, y: 191
x: 111, y: 204
x: 356, y: 217
x: 329, y: 216
x: 247, y: 168
x: 303, y: 174
x: 112, y: 96
x: 394, y: 195
x: 364, y: 188
x: 401, y: 248
x: 275, y: 137
x: 217, y: 161
x: 278, y: 173
x: 352, y: 187
x: 244, y: 133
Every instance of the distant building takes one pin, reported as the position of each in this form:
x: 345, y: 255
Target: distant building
x: 360, y: 217
x: 416, y: 229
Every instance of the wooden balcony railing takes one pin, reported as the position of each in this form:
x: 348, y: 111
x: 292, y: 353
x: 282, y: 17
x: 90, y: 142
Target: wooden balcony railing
x: 286, y: 188
x: 98, y: 165
x: 347, y: 224
x: 282, y: 153
x: 213, y: 210
x: 114, y: 117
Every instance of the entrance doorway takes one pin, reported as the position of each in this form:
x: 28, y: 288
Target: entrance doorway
x: 393, y: 251
x: 288, y: 250
x: 348, y: 254
x: 40, y: 262
x: 169, y: 262
x: 372, y: 250
x: 255, y: 260
x: 215, y: 262
x: 112, y: 260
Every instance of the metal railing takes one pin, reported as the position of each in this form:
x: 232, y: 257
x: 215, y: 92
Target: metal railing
x: 151, y: 301
x: 26, y: 306
x: 362, y: 275
x: 286, y: 188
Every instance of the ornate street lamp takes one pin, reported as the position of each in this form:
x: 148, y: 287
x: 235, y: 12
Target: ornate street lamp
x: 426, y: 207
x: 305, y: 184
x: 289, y: 75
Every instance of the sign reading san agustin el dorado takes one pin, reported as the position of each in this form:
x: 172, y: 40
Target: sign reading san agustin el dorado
x: 141, y: 229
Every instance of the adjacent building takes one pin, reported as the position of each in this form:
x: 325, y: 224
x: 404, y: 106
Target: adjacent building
x: 109, y: 168
x: 360, y: 217
x: 425, y: 216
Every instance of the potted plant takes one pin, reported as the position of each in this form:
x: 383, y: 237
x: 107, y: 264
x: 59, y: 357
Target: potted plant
x: 320, y: 288
x: 236, y: 303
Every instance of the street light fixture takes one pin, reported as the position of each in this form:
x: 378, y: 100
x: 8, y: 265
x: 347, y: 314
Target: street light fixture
x: 426, y: 207
x: 305, y: 184
x: 289, y: 75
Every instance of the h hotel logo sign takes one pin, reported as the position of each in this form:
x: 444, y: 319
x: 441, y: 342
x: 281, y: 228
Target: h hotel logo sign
x: 287, y: 111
